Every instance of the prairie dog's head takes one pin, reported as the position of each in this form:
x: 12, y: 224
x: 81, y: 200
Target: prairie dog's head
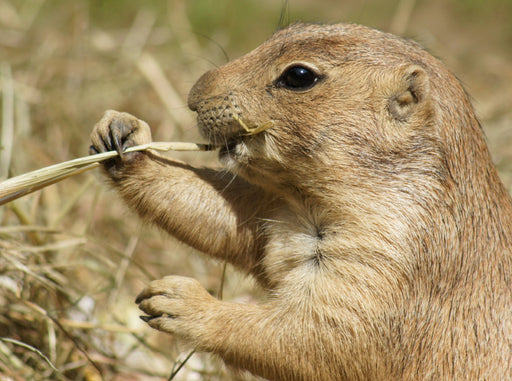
x: 346, y: 99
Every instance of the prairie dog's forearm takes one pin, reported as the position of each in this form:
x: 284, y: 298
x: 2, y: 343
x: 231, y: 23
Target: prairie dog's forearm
x: 270, y: 342
x: 207, y: 209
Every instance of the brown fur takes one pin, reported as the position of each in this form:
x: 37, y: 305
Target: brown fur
x: 371, y: 212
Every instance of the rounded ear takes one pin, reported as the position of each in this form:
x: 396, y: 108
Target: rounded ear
x: 411, y: 95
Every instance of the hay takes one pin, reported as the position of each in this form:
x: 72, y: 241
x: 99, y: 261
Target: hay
x: 22, y: 185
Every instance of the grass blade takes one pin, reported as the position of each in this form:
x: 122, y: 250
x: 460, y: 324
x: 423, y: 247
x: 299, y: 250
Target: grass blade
x: 21, y: 185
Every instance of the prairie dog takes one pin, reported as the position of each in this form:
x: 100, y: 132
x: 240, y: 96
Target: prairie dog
x: 370, y: 210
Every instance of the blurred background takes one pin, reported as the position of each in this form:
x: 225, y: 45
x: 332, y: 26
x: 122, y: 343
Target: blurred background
x: 72, y: 257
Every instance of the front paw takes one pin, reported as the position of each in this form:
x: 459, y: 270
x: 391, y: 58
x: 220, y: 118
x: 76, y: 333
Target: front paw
x: 117, y: 131
x: 177, y: 305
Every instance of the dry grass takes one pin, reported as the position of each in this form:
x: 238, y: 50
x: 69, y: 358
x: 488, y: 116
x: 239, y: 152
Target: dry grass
x: 21, y: 185
x: 72, y: 258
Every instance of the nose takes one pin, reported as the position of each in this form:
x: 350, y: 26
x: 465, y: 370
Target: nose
x: 202, y: 89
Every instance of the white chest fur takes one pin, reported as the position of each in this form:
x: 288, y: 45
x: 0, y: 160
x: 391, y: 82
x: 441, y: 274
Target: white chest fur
x: 296, y: 244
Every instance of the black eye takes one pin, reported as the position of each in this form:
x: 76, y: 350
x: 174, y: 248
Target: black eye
x: 298, y: 78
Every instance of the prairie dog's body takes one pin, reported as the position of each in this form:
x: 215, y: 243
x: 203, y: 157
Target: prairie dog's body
x: 370, y: 211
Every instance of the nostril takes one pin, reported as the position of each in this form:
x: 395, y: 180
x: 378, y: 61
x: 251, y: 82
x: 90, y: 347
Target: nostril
x: 195, y: 96
x: 202, y: 89
x: 192, y: 101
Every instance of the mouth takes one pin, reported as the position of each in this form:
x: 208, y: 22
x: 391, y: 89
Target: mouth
x: 230, y: 146
x: 231, y: 136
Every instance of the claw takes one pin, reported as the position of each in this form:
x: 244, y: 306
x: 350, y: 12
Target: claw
x: 147, y: 318
x: 118, y: 145
x: 93, y: 150
x: 140, y: 298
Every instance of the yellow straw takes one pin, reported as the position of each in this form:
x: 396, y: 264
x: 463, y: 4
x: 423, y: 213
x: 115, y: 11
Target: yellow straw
x: 21, y: 185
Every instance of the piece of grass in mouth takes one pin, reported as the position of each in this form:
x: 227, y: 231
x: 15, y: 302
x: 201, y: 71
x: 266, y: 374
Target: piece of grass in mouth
x: 256, y: 129
x: 29, y: 182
